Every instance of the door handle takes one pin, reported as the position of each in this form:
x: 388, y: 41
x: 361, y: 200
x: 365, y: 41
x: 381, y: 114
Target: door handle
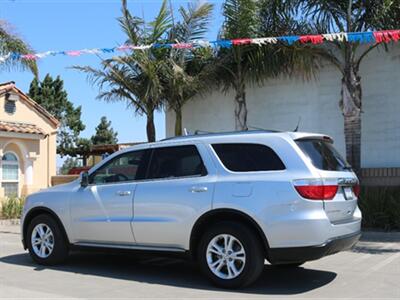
x: 198, y: 189
x: 123, y: 193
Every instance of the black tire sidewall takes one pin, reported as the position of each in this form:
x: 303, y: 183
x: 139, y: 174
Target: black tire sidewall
x: 60, y: 250
x: 254, y: 254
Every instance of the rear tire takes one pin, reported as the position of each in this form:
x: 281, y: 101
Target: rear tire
x: 46, y: 242
x: 230, y: 255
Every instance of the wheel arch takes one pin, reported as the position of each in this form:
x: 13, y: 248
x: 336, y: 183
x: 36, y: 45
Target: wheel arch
x: 34, y: 212
x: 224, y: 214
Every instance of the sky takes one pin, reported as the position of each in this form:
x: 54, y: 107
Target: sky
x: 77, y: 24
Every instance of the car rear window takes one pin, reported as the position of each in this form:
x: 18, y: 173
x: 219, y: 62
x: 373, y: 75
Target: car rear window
x: 323, y: 155
x: 241, y: 157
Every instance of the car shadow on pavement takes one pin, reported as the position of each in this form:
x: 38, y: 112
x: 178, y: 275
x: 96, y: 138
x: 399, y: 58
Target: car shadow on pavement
x: 373, y: 249
x: 178, y: 272
x: 375, y: 242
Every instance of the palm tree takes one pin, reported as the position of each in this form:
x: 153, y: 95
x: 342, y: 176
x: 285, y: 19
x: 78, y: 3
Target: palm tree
x: 248, y: 64
x: 11, y: 43
x: 240, y: 22
x: 187, y: 69
x: 348, y: 16
x: 136, y: 78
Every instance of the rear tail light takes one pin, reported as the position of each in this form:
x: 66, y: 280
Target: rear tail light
x: 315, y: 189
x: 356, y: 190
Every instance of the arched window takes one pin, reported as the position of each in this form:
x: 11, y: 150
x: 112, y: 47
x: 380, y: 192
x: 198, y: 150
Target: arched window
x: 10, y: 174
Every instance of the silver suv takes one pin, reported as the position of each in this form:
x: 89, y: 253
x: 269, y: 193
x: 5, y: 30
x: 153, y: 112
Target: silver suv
x: 230, y: 200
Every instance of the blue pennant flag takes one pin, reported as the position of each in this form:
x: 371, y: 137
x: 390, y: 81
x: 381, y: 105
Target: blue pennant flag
x: 223, y: 43
x: 290, y: 40
x: 361, y: 37
x: 107, y: 50
x: 15, y: 56
x: 162, y: 45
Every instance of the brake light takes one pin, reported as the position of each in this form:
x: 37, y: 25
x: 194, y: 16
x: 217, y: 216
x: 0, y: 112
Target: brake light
x: 315, y: 189
x: 356, y: 190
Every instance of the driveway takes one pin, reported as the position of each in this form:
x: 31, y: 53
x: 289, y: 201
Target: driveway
x: 371, y: 270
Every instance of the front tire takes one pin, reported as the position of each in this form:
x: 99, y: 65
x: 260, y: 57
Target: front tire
x: 46, y: 242
x: 230, y: 255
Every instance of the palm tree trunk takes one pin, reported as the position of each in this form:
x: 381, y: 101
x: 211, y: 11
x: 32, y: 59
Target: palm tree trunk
x: 240, y: 108
x: 178, y: 121
x: 351, y: 96
x: 84, y: 160
x: 150, y: 128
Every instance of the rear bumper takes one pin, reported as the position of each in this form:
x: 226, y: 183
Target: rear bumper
x: 302, y: 254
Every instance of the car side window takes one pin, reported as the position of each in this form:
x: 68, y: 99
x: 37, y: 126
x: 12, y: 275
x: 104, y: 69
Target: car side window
x: 177, y: 161
x: 241, y: 157
x: 122, y: 168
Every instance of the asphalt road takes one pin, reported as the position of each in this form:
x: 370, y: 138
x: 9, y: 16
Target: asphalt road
x: 371, y: 270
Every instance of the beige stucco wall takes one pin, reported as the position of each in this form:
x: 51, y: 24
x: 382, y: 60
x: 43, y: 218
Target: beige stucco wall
x: 36, y: 153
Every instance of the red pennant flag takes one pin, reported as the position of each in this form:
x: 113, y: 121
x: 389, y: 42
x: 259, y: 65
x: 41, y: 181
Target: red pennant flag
x: 237, y: 42
x: 182, y: 46
x: 386, y: 36
x: 314, y: 39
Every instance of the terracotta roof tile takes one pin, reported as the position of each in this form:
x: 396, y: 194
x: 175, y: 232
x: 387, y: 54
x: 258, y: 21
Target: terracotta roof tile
x: 7, y: 85
x: 20, y: 128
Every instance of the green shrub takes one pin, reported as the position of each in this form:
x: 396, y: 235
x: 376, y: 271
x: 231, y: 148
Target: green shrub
x: 12, y: 207
x: 380, y: 207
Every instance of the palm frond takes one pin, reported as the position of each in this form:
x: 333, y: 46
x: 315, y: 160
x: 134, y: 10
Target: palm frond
x: 161, y: 24
x: 11, y: 43
x: 132, y: 26
x: 195, y: 21
x: 241, y: 20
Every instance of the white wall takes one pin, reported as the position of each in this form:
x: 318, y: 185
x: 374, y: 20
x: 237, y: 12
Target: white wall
x: 279, y: 104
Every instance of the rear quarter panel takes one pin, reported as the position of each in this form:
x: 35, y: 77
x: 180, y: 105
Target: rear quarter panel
x: 270, y: 199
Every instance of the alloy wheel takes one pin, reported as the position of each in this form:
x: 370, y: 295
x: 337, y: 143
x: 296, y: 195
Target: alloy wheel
x: 42, y: 240
x: 226, y: 256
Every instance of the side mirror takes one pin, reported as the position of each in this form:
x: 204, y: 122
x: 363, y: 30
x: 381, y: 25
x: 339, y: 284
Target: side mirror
x: 84, y: 179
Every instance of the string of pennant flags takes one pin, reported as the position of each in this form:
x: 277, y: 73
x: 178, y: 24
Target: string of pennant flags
x: 384, y: 36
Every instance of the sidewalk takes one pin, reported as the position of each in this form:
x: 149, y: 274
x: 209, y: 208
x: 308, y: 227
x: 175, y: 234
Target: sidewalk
x: 10, y: 226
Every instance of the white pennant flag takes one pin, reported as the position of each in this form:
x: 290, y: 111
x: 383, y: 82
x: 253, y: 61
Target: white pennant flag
x: 201, y: 43
x: 4, y: 57
x: 263, y: 41
x: 142, y: 47
x: 91, y: 51
x: 341, y: 36
x: 43, y: 54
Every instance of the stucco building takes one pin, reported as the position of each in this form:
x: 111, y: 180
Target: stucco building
x: 279, y: 104
x: 27, y: 143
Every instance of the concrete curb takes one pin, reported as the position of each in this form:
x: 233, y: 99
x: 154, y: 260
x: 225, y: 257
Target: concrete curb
x: 10, y: 222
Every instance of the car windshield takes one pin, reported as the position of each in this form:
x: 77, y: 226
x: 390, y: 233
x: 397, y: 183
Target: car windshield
x: 323, y: 155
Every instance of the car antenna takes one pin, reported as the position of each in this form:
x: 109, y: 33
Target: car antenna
x: 298, y: 124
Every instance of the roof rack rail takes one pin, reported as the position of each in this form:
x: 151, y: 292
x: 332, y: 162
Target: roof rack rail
x: 263, y: 129
x: 199, y: 133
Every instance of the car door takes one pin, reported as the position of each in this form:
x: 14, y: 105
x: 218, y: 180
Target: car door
x: 177, y: 190
x: 102, y: 212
